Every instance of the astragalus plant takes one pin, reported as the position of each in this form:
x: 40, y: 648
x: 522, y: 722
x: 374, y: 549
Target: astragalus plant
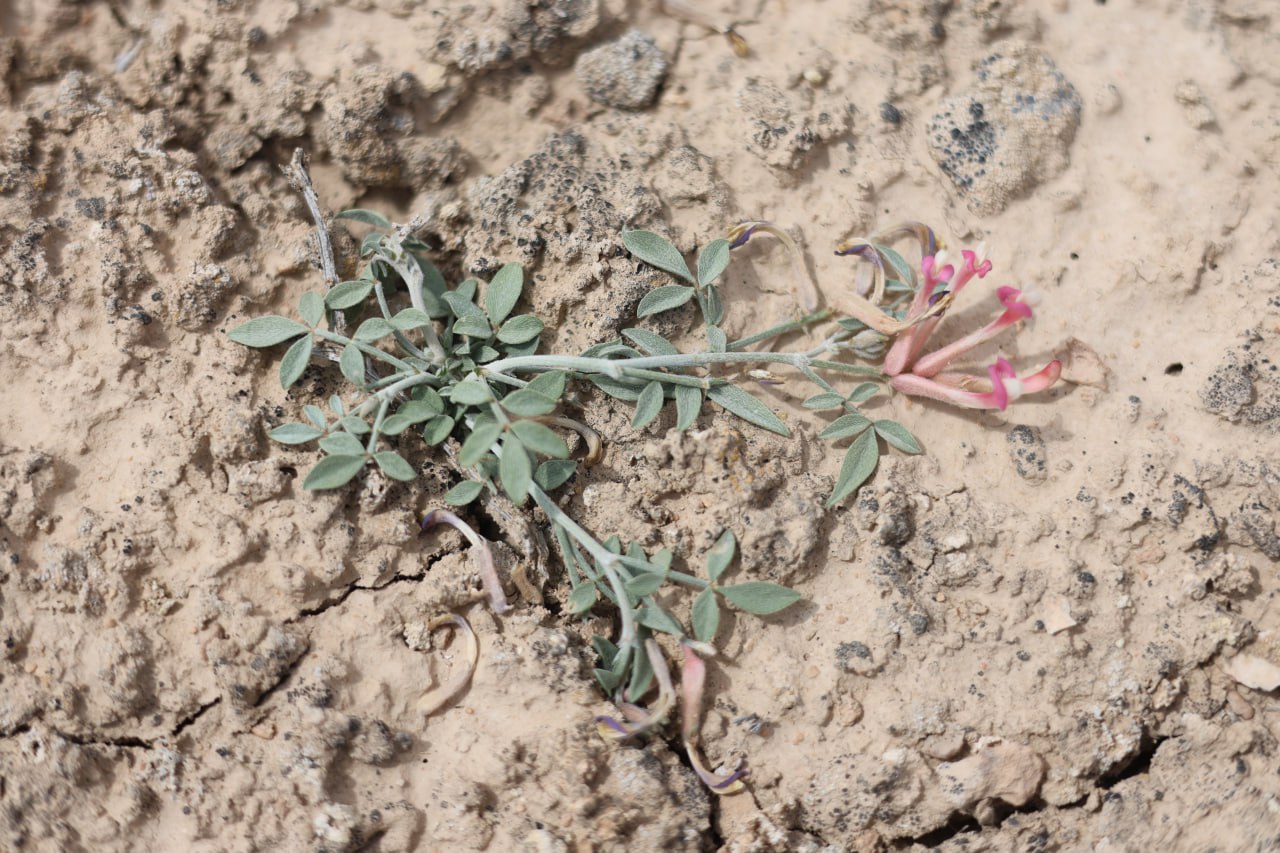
x: 459, y: 370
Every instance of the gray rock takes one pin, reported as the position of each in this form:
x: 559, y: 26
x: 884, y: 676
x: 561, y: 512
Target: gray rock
x: 1027, y: 450
x: 1008, y: 132
x: 624, y: 73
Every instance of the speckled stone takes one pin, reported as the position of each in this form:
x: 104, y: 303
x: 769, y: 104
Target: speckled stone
x: 1008, y: 132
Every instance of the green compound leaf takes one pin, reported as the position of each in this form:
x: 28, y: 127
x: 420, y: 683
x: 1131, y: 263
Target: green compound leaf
x: 460, y: 303
x: 627, y: 390
x: 342, y: 444
x: 348, y: 294
x: 295, y: 361
x: 712, y: 306
x: 652, y: 344
x: 515, y: 470
x: 464, y: 493
x: 394, y: 465
x: 351, y: 363
x: 712, y: 261
x: 663, y: 299
x: 897, y: 435
x: 688, y: 404
x: 372, y: 329
x: 335, y: 403
x: 644, y: 583
x: 859, y: 463
x: 503, y: 293
x: 528, y: 404
x: 658, y: 252
x: 483, y: 436
x: 315, y: 414
x: 294, y: 433
x: 845, y: 426
x: 654, y: 617
x: 706, y: 616
x: 717, y: 340
x: 370, y: 242
x: 437, y: 430
x: 368, y: 217
x: 354, y: 425
x: 540, y: 439
x: 311, y: 307
x: 332, y: 472
x: 899, y: 264
x: 470, y: 392
x: 582, y: 599
x: 521, y: 329
x: 267, y: 331
x: 472, y: 327
x: 748, y: 408
x: 433, y: 289
x: 395, y: 425
x: 721, y: 554
x: 411, y: 318
x: 428, y: 396
x: 865, y: 391
x: 605, y: 649
x: 466, y: 292
x: 759, y: 597
x: 607, y: 679
x: 648, y: 405
x: 641, y: 674
x: 825, y: 400
x: 418, y: 411
x: 554, y: 473
x: 550, y: 385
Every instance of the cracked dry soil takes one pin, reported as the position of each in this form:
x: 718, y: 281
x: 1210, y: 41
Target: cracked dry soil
x: 1056, y: 631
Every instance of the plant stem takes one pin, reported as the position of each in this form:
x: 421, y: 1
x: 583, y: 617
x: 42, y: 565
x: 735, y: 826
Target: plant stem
x: 377, y: 425
x: 781, y: 329
x: 411, y: 273
x: 678, y: 577
x: 614, y: 368
x: 605, y: 559
x: 857, y: 369
x: 367, y: 350
x: 669, y: 378
x: 386, y: 395
x: 399, y: 335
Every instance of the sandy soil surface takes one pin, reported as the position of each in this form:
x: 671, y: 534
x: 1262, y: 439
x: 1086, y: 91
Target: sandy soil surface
x: 1057, y: 630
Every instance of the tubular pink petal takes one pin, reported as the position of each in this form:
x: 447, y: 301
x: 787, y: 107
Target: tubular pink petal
x: 898, y: 358
x: 980, y: 270
x: 693, y: 675
x: 1042, y: 378
x: 920, y: 386
x: 1000, y: 394
x: 936, y: 361
x: 1011, y: 299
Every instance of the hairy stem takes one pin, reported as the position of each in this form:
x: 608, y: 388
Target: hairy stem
x: 605, y: 559
x: 781, y: 329
x: 368, y: 350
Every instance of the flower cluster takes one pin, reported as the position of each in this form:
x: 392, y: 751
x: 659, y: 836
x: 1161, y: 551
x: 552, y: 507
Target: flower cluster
x: 913, y: 371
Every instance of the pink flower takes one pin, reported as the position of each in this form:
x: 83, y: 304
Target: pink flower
x: 920, y: 374
x: 958, y: 388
